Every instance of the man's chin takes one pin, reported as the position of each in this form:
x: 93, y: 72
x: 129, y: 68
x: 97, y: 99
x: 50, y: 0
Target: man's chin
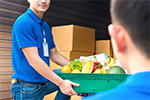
x: 42, y: 10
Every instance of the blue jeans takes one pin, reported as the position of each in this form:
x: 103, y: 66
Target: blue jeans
x: 26, y: 91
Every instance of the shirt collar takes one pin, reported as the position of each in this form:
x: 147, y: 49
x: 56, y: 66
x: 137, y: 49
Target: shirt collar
x: 139, y: 78
x: 42, y: 23
x: 35, y: 18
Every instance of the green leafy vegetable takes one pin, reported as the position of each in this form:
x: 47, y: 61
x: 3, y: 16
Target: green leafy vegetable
x: 94, y: 56
x: 76, y: 65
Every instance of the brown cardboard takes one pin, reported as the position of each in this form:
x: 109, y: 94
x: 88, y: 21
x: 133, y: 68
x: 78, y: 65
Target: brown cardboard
x: 71, y: 55
x: 52, y: 97
x: 104, y: 46
x: 74, y: 38
x: 75, y: 97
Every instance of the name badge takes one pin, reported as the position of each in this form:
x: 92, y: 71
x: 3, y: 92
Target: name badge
x: 45, y: 49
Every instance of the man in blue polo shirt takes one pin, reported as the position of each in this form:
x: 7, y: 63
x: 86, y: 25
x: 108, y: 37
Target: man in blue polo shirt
x: 32, y: 47
x: 130, y: 38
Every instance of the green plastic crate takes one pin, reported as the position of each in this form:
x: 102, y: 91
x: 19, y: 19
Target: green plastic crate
x: 92, y: 83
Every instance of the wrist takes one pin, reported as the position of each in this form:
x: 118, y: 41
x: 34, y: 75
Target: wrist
x: 61, y: 81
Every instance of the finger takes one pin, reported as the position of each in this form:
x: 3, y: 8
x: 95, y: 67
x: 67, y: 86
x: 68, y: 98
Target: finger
x: 74, y: 84
x: 68, y: 93
x: 73, y: 92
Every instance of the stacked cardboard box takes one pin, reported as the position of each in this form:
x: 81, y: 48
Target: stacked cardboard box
x: 73, y: 41
x: 74, y: 38
x: 104, y: 46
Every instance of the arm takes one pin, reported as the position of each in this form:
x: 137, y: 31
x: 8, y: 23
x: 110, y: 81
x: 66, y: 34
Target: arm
x: 42, y: 68
x: 58, y: 58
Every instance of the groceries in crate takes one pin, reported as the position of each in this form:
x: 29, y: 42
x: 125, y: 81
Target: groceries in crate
x: 94, y: 64
x: 76, y: 71
x: 66, y: 69
x: 98, y: 71
x: 76, y: 64
x: 88, y: 66
x: 116, y: 70
x: 111, y: 61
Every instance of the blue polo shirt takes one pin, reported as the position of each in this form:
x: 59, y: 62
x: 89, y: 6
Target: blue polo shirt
x: 27, y: 32
x: 136, y: 87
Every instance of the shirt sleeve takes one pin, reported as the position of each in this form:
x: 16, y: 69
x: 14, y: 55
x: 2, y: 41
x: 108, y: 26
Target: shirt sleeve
x: 52, y: 41
x: 24, y: 33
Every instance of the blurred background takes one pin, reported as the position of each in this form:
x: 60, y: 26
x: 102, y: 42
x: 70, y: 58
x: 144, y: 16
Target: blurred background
x: 88, y: 13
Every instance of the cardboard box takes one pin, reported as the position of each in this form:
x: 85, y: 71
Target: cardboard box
x: 104, y: 46
x: 74, y: 38
x: 75, y: 97
x: 71, y: 55
x: 52, y: 96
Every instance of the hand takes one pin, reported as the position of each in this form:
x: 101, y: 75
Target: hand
x: 66, y: 87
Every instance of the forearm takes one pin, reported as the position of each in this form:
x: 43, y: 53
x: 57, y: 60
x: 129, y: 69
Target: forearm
x: 65, y: 85
x: 60, y: 59
x: 42, y: 68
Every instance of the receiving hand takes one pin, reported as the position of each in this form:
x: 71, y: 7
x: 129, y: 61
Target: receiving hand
x: 66, y: 87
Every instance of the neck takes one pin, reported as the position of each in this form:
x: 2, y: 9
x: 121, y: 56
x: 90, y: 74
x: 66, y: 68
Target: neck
x: 38, y: 14
x: 138, y: 62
